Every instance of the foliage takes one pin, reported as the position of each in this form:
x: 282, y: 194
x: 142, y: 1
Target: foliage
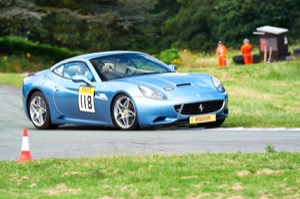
x: 98, y: 25
x: 169, y: 56
x: 151, y: 26
x: 17, y: 46
x: 238, y: 175
x: 200, y: 24
x: 191, y: 27
x: 19, y: 18
x: 238, y: 20
x: 270, y: 148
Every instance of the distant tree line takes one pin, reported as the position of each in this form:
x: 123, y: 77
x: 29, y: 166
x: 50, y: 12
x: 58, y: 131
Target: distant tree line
x: 147, y: 25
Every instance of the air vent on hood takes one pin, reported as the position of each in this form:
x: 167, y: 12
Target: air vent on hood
x: 183, y: 84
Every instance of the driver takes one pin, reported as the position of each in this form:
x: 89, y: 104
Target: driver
x: 98, y: 65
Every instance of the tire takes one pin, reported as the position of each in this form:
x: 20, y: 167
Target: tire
x: 238, y: 59
x: 215, y: 124
x: 123, y: 113
x: 256, y: 58
x: 296, y: 52
x: 39, y: 111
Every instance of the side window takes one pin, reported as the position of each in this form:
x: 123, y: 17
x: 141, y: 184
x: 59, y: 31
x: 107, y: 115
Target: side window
x: 59, y: 70
x: 77, y: 68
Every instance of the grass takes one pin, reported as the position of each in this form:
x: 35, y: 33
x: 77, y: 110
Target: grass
x: 260, y: 95
x: 264, y: 175
x: 12, y: 79
x: 23, y: 63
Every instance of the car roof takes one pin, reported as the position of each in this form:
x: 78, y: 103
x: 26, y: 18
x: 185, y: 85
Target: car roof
x: 90, y: 56
x: 101, y: 54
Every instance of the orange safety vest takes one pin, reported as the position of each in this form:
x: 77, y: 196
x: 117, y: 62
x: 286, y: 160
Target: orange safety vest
x: 246, y: 51
x: 221, y: 52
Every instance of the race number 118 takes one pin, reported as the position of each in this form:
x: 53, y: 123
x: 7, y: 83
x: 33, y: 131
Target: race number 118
x: 86, y: 99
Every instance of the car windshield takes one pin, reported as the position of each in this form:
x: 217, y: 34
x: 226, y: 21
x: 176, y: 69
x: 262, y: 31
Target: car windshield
x: 129, y: 64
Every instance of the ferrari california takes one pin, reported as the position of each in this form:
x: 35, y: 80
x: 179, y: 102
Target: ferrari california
x: 124, y: 90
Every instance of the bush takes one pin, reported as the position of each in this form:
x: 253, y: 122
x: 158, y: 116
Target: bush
x: 19, y: 46
x: 169, y: 56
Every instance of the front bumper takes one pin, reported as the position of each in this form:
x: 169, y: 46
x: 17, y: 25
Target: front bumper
x: 154, y: 113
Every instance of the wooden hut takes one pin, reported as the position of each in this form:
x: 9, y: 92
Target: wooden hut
x: 273, y: 43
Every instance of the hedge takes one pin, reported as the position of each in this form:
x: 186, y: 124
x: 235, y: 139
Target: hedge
x: 18, y: 46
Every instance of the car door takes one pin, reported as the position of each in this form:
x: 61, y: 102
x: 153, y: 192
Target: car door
x: 75, y: 99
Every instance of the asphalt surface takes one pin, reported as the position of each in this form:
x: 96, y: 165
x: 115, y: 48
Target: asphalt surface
x: 84, y: 141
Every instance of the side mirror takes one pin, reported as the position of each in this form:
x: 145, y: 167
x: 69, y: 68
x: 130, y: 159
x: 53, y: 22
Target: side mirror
x: 173, y: 67
x: 80, y: 78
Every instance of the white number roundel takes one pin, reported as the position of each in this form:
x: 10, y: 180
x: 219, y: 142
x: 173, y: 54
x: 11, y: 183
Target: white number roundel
x: 86, y: 99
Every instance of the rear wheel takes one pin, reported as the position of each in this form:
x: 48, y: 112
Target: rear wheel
x: 39, y: 111
x: 124, y: 113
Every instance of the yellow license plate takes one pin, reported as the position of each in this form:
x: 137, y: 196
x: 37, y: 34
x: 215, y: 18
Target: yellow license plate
x: 202, y: 119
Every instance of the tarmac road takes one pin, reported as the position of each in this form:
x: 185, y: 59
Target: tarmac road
x: 84, y: 141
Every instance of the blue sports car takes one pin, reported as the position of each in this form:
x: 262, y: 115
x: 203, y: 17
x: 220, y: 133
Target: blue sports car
x: 122, y: 89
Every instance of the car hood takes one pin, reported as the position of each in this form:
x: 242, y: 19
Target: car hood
x: 176, y: 84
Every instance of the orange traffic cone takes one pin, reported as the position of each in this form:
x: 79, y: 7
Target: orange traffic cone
x: 25, y: 151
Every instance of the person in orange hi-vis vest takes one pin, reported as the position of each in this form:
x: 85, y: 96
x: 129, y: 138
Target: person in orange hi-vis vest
x: 246, y: 51
x: 221, y: 52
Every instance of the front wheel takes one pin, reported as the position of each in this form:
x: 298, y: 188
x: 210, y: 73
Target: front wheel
x: 39, y: 111
x: 124, y: 113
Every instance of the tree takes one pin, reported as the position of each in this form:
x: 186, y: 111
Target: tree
x: 152, y: 26
x: 191, y: 27
x: 18, y: 17
x: 94, y: 26
x: 238, y: 20
x: 199, y: 24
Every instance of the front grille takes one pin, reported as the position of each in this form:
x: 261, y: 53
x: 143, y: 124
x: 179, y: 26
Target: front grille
x: 200, y: 107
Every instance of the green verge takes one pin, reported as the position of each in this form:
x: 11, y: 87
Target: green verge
x: 260, y: 175
x: 12, y: 79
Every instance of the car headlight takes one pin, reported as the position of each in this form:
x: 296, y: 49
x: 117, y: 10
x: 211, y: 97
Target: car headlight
x: 218, y: 85
x: 150, y: 93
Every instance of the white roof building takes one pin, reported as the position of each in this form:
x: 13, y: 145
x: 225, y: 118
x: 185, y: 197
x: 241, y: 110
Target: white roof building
x: 270, y: 29
x: 273, y: 42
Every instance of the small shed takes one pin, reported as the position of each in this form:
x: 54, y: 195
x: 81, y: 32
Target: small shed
x: 273, y: 43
